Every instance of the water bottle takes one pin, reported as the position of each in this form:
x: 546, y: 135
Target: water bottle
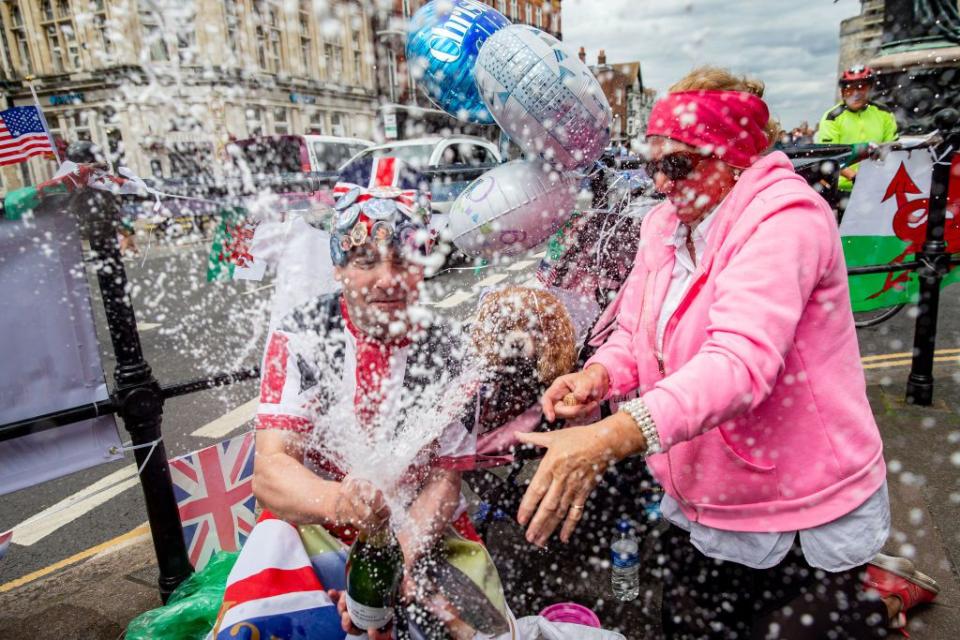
x: 625, y: 564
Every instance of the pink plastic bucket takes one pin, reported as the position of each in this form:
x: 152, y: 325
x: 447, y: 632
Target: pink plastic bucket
x: 571, y: 612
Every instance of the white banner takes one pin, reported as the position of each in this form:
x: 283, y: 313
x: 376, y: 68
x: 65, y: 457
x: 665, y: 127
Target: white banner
x: 49, y: 360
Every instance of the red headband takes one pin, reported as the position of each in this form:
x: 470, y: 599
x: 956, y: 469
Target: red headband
x: 727, y: 124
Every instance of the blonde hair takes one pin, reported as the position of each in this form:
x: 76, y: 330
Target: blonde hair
x: 536, y: 320
x: 711, y: 78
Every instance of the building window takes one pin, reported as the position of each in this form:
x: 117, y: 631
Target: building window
x: 281, y: 121
x: 57, y: 26
x: 333, y: 58
x: 231, y: 14
x: 539, y: 18
x: 185, y: 21
x: 529, y: 13
x: 268, y: 35
x: 306, y: 44
x: 254, y: 116
x: 6, y: 43
x: 316, y: 123
x: 405, y: 7
x: 152, y: 30
x: 357, y: 41
x: 358, y: 66
x: 502, y: 6
x: 337, y: 125
x: 21, y: 39
x: 101, y: 27
x: 514, y: 9
x: 78, y: 125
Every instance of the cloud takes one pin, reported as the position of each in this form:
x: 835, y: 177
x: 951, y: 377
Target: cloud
x: 791, y: 46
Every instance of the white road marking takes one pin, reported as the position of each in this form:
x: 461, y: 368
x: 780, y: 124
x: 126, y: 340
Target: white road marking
x: 542, y: 254
x: 520, y: 266
x: 491, y: 280
x: 229, y: 422
x: 147, y: 326
x: 531, y: 283
x: 39, y: 526
x: 458, y: 297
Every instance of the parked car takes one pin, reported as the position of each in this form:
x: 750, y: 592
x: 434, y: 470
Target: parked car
x: 302, y: 169
x: 320, y: 156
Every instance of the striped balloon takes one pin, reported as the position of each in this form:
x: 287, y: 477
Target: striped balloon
x: 547, y: 101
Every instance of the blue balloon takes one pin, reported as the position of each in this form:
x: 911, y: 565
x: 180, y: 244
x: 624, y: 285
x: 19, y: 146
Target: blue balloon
x: 442, y: 46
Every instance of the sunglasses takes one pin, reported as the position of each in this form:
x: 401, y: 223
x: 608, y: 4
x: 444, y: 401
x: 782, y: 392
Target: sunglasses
x: 674, y: 166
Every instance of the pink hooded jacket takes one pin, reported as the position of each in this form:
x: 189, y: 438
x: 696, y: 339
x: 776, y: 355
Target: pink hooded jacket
x: 760, y: 401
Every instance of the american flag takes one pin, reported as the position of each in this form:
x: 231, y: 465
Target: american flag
x: 214, y: 491
x: 22, y: 135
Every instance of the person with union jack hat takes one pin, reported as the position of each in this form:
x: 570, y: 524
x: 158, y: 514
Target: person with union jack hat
x: 357, y: 362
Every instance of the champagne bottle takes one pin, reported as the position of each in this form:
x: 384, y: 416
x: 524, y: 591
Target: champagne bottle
x: 374, y: 569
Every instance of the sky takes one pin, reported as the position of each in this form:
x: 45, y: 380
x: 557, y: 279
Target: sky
x: 792, y: 45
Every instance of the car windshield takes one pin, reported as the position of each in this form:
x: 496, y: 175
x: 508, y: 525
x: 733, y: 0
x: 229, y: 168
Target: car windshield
x: 332, y: 155
x: 417, y: 155
x: 272, y: 156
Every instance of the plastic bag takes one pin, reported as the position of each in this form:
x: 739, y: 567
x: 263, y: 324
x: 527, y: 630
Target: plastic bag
x: 192, y: 609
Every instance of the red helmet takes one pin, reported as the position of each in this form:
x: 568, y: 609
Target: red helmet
x: 858, y: 74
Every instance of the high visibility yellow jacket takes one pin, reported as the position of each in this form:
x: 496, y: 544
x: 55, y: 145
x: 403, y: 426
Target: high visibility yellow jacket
x: 840, y: 125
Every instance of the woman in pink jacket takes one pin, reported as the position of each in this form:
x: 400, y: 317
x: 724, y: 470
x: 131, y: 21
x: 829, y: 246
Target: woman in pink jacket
x: 737, y: 372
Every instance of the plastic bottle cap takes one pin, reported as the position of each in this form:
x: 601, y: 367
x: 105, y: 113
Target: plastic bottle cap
x: 623, y: 526
x: 571, y: 612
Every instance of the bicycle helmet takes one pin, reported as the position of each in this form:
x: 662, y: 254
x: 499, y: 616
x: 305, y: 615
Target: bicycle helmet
x: 858, y: 74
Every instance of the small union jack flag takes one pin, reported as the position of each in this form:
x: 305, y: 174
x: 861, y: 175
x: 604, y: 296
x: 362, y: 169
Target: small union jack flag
x: 5, y: 539
x: 214, y: 491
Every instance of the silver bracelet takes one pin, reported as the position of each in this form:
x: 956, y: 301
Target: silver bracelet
x: 638, y: 410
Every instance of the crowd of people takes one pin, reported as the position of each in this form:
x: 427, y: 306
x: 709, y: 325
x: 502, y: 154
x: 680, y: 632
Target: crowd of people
x: 731, y: 368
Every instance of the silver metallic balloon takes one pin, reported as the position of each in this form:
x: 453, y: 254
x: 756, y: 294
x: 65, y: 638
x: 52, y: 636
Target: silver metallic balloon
x: 546, y: 100
x: 511, y: 208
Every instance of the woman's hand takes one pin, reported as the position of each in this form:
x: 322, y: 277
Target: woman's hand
x: 575, y: 395
x: 361, y: 505
x: 575, y: 461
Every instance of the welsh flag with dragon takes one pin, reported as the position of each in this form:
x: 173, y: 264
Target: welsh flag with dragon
x: 231, y: 244
x: 886, y: 222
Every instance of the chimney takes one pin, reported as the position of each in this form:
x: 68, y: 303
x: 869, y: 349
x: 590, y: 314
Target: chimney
x: 602, y: 57
x: 583, y: 55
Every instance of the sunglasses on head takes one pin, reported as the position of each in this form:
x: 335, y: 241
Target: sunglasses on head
x: 675, y: 166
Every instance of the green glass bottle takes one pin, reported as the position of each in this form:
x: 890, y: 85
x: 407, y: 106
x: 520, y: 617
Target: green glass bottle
x: 374, y: 569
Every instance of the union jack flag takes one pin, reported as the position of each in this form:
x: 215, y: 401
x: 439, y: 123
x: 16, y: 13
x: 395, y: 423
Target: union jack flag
x: 214, y: 491
x: 5, y: 539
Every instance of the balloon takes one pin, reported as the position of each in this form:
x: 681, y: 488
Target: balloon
x: 547, y: 101
x: 442, y: 45
x: 511, y: 208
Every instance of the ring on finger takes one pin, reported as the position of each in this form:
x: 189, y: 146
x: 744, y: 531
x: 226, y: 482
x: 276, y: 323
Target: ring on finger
x: 575, y: 510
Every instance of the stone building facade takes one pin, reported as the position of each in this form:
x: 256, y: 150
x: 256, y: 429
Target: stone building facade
x: 861, y: 35
x: 164, y: 84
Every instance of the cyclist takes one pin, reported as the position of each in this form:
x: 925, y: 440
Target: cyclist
x: 856, y: 118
